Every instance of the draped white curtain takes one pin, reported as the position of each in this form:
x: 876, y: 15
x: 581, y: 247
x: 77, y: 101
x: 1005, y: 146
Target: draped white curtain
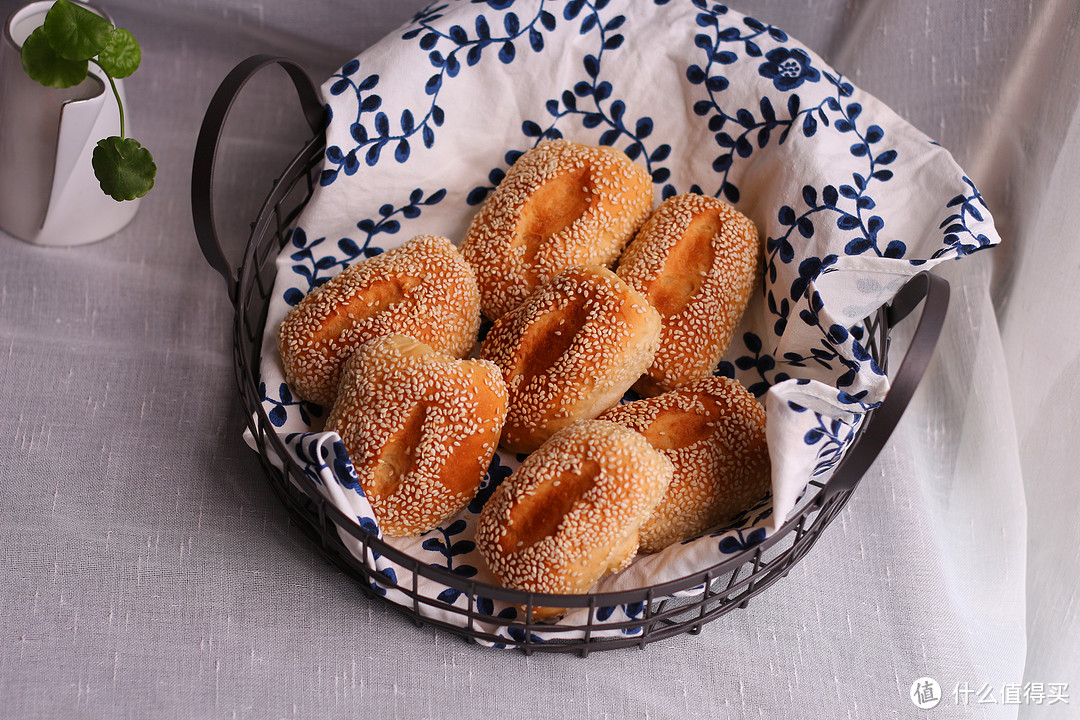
x: 146, y: 570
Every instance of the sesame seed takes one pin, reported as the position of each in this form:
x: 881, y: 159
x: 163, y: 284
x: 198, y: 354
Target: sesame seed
x: 423, y: 289
x: 560, y: 204
x: 540, y: 539
x: 697, y: 260
x: 609, y: 337
x: 420, y: 428
x: 713, y: 432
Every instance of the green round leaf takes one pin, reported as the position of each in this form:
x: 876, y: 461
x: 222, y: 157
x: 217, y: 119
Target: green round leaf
x: 121, y: 57
x: 75, y: 32
x: 123, y: 167
x: 43, y: 65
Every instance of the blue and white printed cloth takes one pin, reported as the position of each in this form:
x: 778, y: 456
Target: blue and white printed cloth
x: 849, y: 199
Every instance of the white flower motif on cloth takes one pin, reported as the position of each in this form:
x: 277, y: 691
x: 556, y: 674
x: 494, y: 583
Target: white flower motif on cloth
x: 849, y: 199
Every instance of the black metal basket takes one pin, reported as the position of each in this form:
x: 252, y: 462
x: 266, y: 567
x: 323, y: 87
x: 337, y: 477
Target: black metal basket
x: 705, y: 595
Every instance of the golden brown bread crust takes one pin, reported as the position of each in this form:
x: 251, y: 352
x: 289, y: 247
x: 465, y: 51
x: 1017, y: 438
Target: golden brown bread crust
x: 569, y: 352
x: 420, y: 427
x: 713, y: 431
x: 696, y: 259
x: 423, y: 289
x: 560, y: 204
x: 570, y: 513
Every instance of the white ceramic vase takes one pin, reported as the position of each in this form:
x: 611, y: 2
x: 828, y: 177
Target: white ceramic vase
x: 48, y: 192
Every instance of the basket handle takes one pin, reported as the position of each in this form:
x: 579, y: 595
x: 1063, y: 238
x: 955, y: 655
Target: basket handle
x: 206, y: 147
x: 935, y: 291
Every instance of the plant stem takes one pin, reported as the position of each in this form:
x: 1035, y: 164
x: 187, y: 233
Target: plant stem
x: 116, y: 94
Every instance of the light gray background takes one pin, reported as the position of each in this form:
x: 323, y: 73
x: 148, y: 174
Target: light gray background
x: 147, y: 571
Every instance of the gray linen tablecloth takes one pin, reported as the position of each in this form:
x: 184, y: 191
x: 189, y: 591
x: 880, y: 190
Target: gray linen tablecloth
x: 146, y: 569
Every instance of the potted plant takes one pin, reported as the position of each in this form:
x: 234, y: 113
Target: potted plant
x: 72, y: 61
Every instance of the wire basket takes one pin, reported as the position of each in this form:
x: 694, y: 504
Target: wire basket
x: 681, y: 606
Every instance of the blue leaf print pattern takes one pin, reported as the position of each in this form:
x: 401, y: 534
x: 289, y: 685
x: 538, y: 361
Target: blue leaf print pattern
x: 968, y: 207
x: 831, y: 435
x: 449, y: 51
x: 441, y: 542
x: 741, y: 540
x: 315, y: 264
x: 311, y: 451
x: 279, y: 406
x: 746, y: 127
x: 762, y: 363
x: 383, y: 579
x: 387, y: 223
x: 594, y: 102
x: 497, y: 472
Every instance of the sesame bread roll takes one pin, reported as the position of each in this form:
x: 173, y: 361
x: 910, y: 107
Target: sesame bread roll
x: 696, y: 259
x: 420, y: 427
x: 560, y: 204
x: 713, y: 432
x: 569, y: 352
x: 423, y: 289
x: 569, y: 515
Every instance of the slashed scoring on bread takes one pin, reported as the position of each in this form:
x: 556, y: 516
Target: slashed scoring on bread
x: 570, y: 513
x: 560, y: 204
x: 420, y: 428
x: 423, y: 289
x: 713, y: 431
x: 570, y: 351
x: 697, y: 261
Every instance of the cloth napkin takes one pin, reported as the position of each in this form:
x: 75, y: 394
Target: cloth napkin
x: 849, y: 199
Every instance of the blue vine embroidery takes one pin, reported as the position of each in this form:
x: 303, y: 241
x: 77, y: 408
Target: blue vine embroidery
x: 317, y: 266
x: 759, y: 361
x: 372, y: 138
x: 833, y: 435
x: 741, y: 540
x: 593, y: 100
x: 970, y: 206
x: 280, y: 405
x: 450, y: 549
